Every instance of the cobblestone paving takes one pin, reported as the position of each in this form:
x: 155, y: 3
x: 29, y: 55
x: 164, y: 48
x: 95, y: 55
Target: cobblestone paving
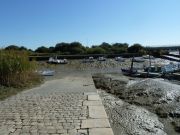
x: 57, y: 113
x: 35, y: 114
x: 53, y: 108
x: 58, y: 107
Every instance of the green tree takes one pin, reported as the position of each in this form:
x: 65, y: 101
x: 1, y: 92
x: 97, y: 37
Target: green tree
x: 136, y: 48
x: 62, y: 47
x: 119, y: 48
x: 12, y: 47
x: 77, y: 48
x: 106, y: 46
x: 42, y: 49
x: 96, y: 50
x: 51, y: 49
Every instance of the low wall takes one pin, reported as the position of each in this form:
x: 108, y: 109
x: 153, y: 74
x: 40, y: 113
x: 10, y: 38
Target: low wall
x: 46, y: 57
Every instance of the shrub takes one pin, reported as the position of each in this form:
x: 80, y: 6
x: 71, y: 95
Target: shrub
x: 16, y: 70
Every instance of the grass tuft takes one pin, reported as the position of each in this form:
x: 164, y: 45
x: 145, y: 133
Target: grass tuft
x: 16, y: 71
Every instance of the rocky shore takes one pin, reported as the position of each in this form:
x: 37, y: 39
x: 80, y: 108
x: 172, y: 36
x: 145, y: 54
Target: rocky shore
x: 140, y: 106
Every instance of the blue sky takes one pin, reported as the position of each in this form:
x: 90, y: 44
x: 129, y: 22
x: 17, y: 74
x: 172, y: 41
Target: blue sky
x: 34, y: 23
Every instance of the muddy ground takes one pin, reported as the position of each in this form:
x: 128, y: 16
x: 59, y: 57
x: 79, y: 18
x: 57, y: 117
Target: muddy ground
x: 135, y: 106
x: 145, y: 106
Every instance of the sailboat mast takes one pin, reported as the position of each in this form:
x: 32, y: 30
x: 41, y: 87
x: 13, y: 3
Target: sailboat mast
x: 149, y: 60
x: 131, y: 69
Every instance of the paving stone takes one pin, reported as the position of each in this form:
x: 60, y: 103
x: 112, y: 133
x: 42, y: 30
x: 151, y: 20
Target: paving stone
x: 100, y: 131
x: 92, y: 103
x: 84, y: 131
x: 95, y: 123
x: 4, y: 130
x: 50, y: 110
x: 94, y: 97
x: 90, y: 93
x: 97, y: 112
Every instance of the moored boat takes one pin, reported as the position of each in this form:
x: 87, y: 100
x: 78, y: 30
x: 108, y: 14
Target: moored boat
x: 57, y: 61
x: 101, y: 58
x: 148, y: 57
x: 138, y: 59
x: 130, y: 71
x: 120, y: 59
x: 88, y: 60
x: 47, y: 73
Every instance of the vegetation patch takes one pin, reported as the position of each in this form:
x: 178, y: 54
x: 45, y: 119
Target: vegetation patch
x: 16, y: 72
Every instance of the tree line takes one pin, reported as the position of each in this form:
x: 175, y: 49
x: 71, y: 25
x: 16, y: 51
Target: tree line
x: 76, y: 48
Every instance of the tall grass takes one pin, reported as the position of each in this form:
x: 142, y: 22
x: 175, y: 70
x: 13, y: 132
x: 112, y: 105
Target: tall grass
x: 16, y: 70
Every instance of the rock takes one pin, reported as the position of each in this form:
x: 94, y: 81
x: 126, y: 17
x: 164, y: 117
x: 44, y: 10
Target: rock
x: 176, y: 125
x: 161, y: 112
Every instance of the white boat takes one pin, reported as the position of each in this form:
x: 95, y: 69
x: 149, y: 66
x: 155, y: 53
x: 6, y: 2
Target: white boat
x: 120, y: 59
x: 101, y: 59
x: 171, y: 67
x: 88, y: 60
x: 47, y: 72
x: 148, y: 57
x: 138, y: 59
x: 57, y: 61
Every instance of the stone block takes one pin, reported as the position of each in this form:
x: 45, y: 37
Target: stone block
x: 97, y: 112
x: 94, y: 97
x: 95, y: 123
x: 100, y: 131
x: 92, y: 103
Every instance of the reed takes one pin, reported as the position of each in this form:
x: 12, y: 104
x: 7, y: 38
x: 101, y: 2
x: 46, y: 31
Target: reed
x: 16, y: 70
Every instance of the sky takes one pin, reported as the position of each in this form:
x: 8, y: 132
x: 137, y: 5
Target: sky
x: 34, y: 23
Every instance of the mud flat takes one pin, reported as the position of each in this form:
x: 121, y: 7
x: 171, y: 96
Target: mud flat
x: 140, y: 106
x: 78, y: 67
x: 134, y: 106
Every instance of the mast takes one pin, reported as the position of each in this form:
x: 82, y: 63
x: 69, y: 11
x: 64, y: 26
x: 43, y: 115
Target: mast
x: 131, y: 69
x: 149, y: 63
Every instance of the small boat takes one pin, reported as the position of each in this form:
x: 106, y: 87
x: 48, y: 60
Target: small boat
x: 171, y: 68
x: 88, y: 60
x: 57, y: 61
x: 151, y: 71
x: 47, y: 73
x: 130, y: 71
x: 101, y: 59
x: 148, y: 57
x: 149, y: 74
x: 120, y: 59
x: 138, y: 59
